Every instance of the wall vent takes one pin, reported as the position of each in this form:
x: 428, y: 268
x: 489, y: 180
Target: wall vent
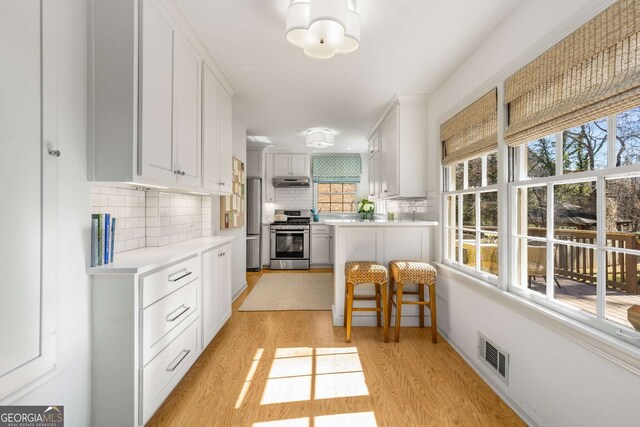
x: 494, y: 357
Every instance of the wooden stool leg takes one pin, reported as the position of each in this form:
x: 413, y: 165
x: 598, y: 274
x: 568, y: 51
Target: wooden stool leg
x: 398, y: 310
x: 385, y: 312
x: 378, y: 305
x: 390, y: 293
x: 432, y: 309
x: 349, y: 303
x: 421, y: 306
x: 346, y: 299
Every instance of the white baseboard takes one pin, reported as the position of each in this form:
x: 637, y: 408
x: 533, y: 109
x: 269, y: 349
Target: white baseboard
x: 237, y: 294
x: 370, y: 319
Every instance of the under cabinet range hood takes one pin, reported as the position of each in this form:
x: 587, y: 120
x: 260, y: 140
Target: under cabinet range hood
x: 291, y: 182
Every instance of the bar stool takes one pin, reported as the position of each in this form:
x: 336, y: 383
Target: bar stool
x: 403, y: 272
x: 358, y: 273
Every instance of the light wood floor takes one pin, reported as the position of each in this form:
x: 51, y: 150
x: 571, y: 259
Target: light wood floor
x: 250, y: 363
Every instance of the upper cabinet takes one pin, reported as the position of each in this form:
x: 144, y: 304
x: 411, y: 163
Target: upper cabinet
x: 397, y: 150
x: 291, y: 165
x: 269, y: 189
x: 161, y: 115
x: 254, y: 163
x: 216, y: 134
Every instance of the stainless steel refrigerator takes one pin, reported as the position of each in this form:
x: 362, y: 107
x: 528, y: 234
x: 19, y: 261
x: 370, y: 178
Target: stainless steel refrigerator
x: 254, y: 223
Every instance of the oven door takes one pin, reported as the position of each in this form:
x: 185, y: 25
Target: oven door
x: 290, y: 244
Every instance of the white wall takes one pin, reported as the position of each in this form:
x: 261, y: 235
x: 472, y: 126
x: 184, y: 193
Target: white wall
x: 72, y: 388
x: 553, y: 380
x: 239, y: 244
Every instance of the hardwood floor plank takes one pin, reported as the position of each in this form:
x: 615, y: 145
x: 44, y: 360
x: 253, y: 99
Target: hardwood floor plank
x: 411, y: 383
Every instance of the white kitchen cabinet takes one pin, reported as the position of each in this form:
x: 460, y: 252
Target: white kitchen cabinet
x: 321, y: 247
x: 147, y: 95
x: 187, y: 112
x: 216, y: 134
x: 254, y: 163
x: 156, y: 92
x: 216, y: 291
x: 153, y: 311
x: 374, y: 176
x: 291, y: 165
x: 374, y: 143
x: 269, y: 189
x: 402, y: 150
x: 300, y: 165
x: 266, y: 245
x: 226, y: 140
x: 29, y: 184
x: 282, y: 164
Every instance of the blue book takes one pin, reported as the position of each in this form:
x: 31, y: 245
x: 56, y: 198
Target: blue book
x: 94, y: 239
x: 107, y: 237
x: 113, y: 238
x: 100, y: 244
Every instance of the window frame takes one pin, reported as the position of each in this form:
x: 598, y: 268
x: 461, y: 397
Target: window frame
x: 316, y: 193
x: 520, y: 180
x: 449, y: 181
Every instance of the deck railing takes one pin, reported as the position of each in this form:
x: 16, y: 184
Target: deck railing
x: 580, y: 263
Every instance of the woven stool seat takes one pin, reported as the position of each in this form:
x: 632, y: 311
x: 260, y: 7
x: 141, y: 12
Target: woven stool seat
x: 412, y: 272
x: 365, y: 272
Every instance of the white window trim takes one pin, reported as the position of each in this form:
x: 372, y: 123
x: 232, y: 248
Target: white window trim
x: 449, y: 171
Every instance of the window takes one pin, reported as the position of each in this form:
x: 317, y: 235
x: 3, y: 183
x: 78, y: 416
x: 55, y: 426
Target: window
x: 471, y: 213
x: 576, y: 238
x: 339, y: 197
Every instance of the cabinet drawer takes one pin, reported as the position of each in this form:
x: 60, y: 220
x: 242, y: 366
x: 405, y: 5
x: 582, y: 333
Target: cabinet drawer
x: 166, y: 370
x: 167, y: 318
x: 320, y: 229
x: 163, y: 282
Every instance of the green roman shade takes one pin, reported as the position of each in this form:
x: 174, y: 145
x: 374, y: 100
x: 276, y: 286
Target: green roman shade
x: 336, y: 168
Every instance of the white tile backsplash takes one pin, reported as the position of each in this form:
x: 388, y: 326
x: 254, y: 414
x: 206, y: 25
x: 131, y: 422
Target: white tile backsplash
x: 176, y: 217
x: 152, y: 218
x: 292, y: 198
x: 422, y: 209
x: 119, y: 202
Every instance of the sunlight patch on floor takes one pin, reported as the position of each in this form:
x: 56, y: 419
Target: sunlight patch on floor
x: 293, y: 422
x: 249, y: 377
x: 331, y: 386
x: 328, y: 372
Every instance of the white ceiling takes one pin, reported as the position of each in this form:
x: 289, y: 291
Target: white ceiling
x: 406, y: 47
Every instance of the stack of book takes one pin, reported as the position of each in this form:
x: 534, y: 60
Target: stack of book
x: 103, y: 231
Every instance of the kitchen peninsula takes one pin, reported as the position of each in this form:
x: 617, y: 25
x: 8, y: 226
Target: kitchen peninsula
x: 380, y: 241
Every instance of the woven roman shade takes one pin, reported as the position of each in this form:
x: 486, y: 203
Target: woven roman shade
x: 471, y: 132
x: 593, y: 72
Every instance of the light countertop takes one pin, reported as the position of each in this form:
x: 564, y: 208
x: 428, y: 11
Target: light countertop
x: 142, y: 260
x: 378, y: 223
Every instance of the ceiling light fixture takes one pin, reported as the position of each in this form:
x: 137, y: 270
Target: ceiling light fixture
x: 319, y: 138
x: 323, y: 27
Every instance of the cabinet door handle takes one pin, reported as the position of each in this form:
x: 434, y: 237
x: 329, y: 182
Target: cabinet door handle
x: 54, y: 153
x: 173, y: 365
x: 180, y: 277
x: 183, y: 311
x: 182, y: 173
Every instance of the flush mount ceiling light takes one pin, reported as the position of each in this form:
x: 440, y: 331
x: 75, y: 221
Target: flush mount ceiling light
x: 323, y: 27
x: 319, y: 138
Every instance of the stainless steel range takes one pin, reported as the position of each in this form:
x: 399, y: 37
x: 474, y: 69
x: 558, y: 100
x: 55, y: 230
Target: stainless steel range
x: 290, y: 240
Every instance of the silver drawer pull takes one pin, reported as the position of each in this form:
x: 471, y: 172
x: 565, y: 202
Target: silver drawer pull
x: 183, y: 354
x: 183, y: 311
x: 180, y: 277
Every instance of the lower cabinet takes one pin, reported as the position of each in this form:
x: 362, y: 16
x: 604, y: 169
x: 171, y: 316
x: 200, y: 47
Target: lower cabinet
x: 216, y: 291
x: 321, y: 253
x: 150, y: 324
x: 266, y: 245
